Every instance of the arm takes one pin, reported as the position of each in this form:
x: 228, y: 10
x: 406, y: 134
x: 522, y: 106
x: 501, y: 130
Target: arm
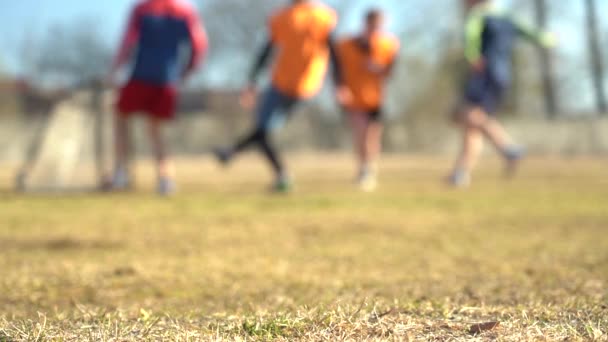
x: 474, y: 38
x: 391, y: 67
x: 129, y: 41
x: 199, y: 43
x: 388, y: 70
x: 539, y: 37
x: 248, y: 96
x: 262, y: 58
x: 335, y: 62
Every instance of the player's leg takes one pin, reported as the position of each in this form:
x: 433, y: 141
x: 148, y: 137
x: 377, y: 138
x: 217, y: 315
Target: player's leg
x: 282, y: 182
x: 263, y: 111
x: 122, y: 149
x: 367, y: 134
x: 271, y: 114
x: 162, y: 110
x: 130, y: 100
x: 358, y: 123
x: 164, y: 167
x: 373, y: 145
x: 495, y: 131
x: 472, y: 145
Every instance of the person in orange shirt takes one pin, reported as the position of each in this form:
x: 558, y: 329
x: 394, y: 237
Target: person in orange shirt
x: 300, y: 40
x: 366, y: 61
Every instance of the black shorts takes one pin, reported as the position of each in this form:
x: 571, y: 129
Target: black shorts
x: 376, y: 115
x: 481, y: 89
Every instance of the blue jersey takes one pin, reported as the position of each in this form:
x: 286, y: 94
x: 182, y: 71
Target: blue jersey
x: 491, y: 35
x: 159, y: 30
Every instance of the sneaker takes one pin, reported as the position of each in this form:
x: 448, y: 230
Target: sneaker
x: 222, y: 155
x: 166, y: 187
x: 367, y: 181
x: 460, y: 179
x: 513, y: 156
x: 282, y: 185
x: 120, y: 181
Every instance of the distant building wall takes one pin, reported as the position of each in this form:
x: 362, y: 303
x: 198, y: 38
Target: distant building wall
x: 211, y: 118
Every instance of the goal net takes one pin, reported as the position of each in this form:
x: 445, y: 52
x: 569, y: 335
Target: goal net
x: 69, y: 149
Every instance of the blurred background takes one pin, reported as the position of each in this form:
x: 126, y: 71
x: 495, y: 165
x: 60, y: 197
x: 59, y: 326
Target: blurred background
x: 557, y: 105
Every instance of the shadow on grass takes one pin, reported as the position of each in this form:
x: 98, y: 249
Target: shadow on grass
x: 58, y: 245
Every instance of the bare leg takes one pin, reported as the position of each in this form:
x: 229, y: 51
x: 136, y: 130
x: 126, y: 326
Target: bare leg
x: 511, y: 152
x: 472, y: 145
x: 491, y: 128
x: 367, y: 141
x: 121, y: 142
x: 373, y: 142
x: 359, y: 130
x: 498, y: 136
x: 164, y: 166
x: 478, y: 124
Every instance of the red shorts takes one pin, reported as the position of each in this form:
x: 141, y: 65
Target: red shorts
x: 157, y: 101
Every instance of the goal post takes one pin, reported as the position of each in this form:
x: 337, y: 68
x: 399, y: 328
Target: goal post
x: 70, y: 150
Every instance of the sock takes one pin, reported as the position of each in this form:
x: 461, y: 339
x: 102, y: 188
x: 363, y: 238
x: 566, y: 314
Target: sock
x: 513, y: 152
x: 261, y: 137
x: 271, y: 154
x: 245, y: 143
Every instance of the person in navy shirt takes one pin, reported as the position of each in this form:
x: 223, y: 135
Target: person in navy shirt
x: 490, y: 40
x: 158, y: 35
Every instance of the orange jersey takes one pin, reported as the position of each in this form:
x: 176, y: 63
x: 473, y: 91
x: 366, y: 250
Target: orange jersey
x: 363, y: 69
x: 300, y: 34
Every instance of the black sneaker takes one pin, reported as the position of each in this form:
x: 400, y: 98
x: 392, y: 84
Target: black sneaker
x: 222, y: 155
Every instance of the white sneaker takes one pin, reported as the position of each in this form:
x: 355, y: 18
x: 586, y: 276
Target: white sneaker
x: 460, y: 179
x: 367, y: 181
x: 121, y: 180
x: 166, y: 187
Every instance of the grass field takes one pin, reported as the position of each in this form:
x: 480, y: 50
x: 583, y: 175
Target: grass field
x: 506, y: 260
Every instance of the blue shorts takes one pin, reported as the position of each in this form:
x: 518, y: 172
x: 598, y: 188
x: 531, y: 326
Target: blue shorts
x: 482, y: 89
x: 274, y: 109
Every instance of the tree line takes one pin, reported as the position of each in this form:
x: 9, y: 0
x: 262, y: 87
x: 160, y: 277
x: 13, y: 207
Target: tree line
x: 67, y: 53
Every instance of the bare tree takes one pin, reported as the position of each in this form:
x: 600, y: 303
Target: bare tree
x: 546, y: 63
x: 596, y: 60
x: 233, y: 45
x: 66, y: 54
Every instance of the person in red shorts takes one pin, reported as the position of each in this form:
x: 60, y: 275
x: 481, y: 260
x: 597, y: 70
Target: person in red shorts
x: 156, y: 34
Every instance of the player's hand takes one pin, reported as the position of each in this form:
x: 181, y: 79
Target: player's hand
x: 110, y: 80
x: 248, y: 97
x: 185, y: 76
x: 344, y: 96
x: 550, y: 40
x: 479, y: 66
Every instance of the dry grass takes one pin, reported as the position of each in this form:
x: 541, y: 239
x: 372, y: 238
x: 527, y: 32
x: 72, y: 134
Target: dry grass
x: 224, y: 261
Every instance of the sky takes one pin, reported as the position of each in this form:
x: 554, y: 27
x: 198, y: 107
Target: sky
x: 21, y: 18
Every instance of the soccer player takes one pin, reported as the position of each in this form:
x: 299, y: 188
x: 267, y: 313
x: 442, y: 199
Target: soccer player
x: 157, y: 33
x: 300, y: 41
x: 366, y: 63
x: 490, y: 38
